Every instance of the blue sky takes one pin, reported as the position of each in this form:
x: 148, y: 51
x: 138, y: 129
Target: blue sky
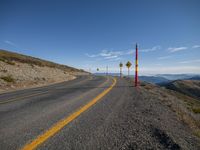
x: 96, y: 33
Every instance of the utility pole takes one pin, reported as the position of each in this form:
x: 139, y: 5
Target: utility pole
x: 136, y: 66
x: 120, y: 66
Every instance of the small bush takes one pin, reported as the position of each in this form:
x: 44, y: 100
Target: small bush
x: 197, y: 133
x: 10, y: 63
x: 2, y: 59
x: 4, y: 70
x: 196, y: 110
x: 8, y: 78
x: 7, y: 61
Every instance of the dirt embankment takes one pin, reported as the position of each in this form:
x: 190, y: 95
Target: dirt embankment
x: 19, y: 71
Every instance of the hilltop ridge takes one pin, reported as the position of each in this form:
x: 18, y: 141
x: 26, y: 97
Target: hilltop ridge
x: 188, y: 87
x: 20, y: 71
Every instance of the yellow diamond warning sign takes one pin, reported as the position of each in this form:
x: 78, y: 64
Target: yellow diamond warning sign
x: 128, y: 64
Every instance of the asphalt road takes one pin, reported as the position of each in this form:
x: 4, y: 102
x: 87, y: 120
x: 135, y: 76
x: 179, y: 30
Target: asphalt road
x: 90, y: 112
x: 25, y: 114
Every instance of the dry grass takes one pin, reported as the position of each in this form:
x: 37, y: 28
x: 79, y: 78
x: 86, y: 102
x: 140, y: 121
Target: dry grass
x: 197, y: 133
x: 7, y: 61
x: 10, y: 57
x: 190, y: 88
x: 191, y: 104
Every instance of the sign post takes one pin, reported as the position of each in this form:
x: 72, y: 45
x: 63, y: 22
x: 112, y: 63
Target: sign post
x: 128, y: 65
x: 120, y: 66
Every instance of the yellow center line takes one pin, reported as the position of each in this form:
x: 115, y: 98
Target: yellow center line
x: 59, y: 125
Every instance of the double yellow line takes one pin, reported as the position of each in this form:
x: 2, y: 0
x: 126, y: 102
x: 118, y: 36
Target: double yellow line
x: 59, y: 125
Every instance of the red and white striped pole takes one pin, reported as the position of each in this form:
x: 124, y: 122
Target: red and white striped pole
x: 136, y: 66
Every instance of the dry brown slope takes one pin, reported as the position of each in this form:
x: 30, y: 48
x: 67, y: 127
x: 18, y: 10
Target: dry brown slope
x: 188, y: 87
x: 21, y: 71
x: 10, y: 57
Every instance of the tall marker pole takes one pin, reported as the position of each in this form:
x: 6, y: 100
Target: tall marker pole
x: 136, y: 66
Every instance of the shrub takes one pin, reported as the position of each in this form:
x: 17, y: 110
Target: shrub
x: 10, y: 63
x: 2, y: 59
x: 8, y: 78
x: 7, y: 61
x: 197, y: 133
x: 196, y: 110
x: 4, y: 70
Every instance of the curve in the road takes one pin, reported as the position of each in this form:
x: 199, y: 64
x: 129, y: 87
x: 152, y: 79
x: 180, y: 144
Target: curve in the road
x: 13, y: 99
x: 59, y: 125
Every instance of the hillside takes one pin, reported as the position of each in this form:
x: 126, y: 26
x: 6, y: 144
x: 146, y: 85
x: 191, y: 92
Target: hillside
x: 163, y: 79
x: 195, y: 78
x: 185, y: 107
x: 188, y: 87
x: 20, y: 71
x: 177, y: 76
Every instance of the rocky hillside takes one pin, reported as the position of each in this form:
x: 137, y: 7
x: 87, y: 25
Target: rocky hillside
x: 188, y: 87
x: 21, y: 71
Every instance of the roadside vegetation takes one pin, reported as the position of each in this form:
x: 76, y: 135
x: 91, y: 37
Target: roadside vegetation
x: 8, y: 78
x: 196, y: 110
x: 190, y: 88
x: 7, y: 61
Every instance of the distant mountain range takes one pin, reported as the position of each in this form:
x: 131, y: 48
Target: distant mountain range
x: 188, y: 87
x: 160, y: 78
x: 186, y: 84
x: 177, y: 76
x: 154, y: 79
x: 195, y: 78
x: 167, y: 78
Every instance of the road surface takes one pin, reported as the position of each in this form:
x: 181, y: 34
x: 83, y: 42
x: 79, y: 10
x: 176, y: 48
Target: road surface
x: 90, y: 112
